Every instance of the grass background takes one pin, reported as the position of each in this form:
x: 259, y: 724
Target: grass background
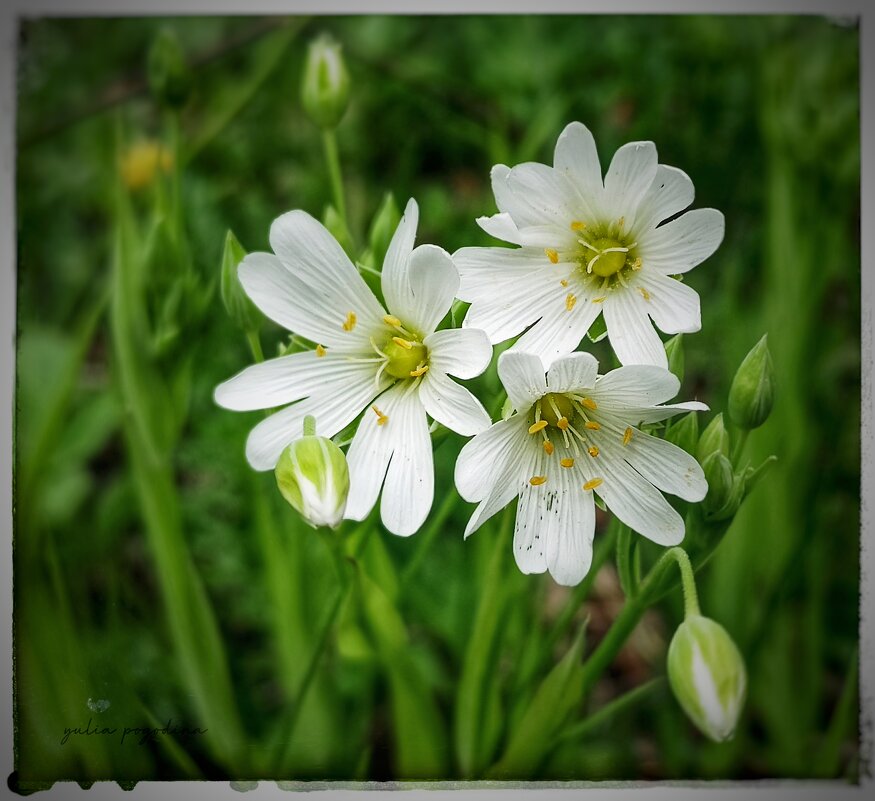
x: 762, y: 112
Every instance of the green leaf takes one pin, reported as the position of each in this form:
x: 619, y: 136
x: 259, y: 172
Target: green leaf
x: 598, y: 330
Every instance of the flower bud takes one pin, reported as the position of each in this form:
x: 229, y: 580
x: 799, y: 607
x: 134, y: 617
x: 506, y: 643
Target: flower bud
x: 313, y: 476
x: 720, y: 502
x: 240, y: 309
x: 707, y: 676
x: 169, y: 75
x: 674, y: 351
x: 684, y: 432
x: 714, y: 439
x: 325, y: 85
x: 752, y: 393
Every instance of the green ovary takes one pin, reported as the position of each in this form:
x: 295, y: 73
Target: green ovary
x: 401, y: 361
x: 563, y: 405
x: 607, y: 264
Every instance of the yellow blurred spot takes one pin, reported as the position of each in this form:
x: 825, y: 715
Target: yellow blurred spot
x: 350, y: 321
x: 320, y: 351
x: 141, y: 163
x: 577, y: 225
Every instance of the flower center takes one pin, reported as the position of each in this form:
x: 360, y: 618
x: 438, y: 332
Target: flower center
x: 404, y: 357
x: 555, y: 407
x: 607, y: 258
x: 605, y: 255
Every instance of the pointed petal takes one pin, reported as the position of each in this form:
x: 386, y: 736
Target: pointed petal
x: 522, y: 375
x: 672, y: 305
x: 462, y: 352
x: 681, y: 244
x: 576, y: 157
x: 482, y: 270
x: 671, y: 192
x: 544, y: 196
x: 427, y: 288
x: 570, y: 527
x: 576, y: 371
x: 630, y: 331
x: 452, y: 405
x: 630, y: 175
x: 487, y: 455
x: 653, y: 414
x: 501, y: 226
x: 636, y: 385
x: 395, y: 264
x: 530, y: 530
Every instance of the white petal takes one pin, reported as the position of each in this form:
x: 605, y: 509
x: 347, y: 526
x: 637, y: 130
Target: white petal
x: 462, y: 352
x: 671, y: 192
x: 672, y: 305
x: 332, y: 411
x: 635, y: 500
x: 570, y: 524
x: 501, y: 226
x: 314, y: 257
x: 683, y: 243
x: 452, y: 405
x: 519, y: 206
x: 632, y: 170
x: 409, y: 489
x: 576, y: 371
x: 559, y: 331
x: 530, y: 529
x: 576, y: 157
x: 653, y: 414
x: 630, y: 331
x: 636, y: 385
x: 277, y: 382
x: 545, y: 194
x: 430, y: 284
x: 522, y: 375
x: 396, y: 261
x: 482, y: 270
x: 486, y: 456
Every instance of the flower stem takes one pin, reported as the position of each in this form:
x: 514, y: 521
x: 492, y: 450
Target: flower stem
x: 740, y: 440
x: 624, y: 561
x: 255, y: 345
x: 332, y: 158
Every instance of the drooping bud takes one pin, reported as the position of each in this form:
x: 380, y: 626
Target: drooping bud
x: 714, y: 439
x: 313, y: 476
x: 325, y: 85
x: 684, y: 432
x: 674, y: 351
x: 707, y: 675
x: 724, y: 495
x: 237, y: 303
x: 752, y: 393
x: 169, y: 75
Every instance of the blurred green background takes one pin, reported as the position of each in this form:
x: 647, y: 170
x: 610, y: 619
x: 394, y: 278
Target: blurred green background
x: 180, y: 587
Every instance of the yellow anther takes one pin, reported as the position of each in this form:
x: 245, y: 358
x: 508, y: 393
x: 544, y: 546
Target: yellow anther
x: 548, y: 447
x: 562, y: 423
x: 627, y: 436
x: 644, y: 293
x: 419, y: 371
x: 592, y: 484
x: 382, y: 419
x: 564, y: 282
x: 391, y: 319
x: 567, y: 462
x: 599, y: 300
x: 570, y: 300
x: 589, y: 403
x: 593, y: 451
x: 552, y: 255
x: 320, y: 351
x: 536, y: 480
x: 592, y: 425
x: 349, y: 323
x: 636, y: 265
x: 577, y: 225
x: 406, y: 344
x: 534, y: 428
x: 621, y: 222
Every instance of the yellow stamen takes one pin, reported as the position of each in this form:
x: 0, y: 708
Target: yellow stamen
x: 536, y: 480
x: 562, y: 423
x: 592, y: 425
x: 391, y: 319
x: 534, y: 428
x: 621, y: 222
x: 349, y: 323
x: 564, y: 282
x: 548, y: 447
x: 567, y: 462
x: 577, y: 225
x: 589, y: 403
x: 570, y: 300
x: 402, y: 343
x: 419, y: 371
x: 552, y: 255
x: 593, y: 451
x: 592, y: 484
x: 627, y: 436
x: 382, y: 419
x: 320, y: 351
x: 636, y: 265
x: 644, y: 293
x: 599, y: 300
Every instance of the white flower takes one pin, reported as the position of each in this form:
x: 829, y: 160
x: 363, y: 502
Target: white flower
x: 575, y: 433
x: 395, y: 366
x: 589, y: 247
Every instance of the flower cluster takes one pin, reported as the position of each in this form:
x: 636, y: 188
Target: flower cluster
x: 584, y: 246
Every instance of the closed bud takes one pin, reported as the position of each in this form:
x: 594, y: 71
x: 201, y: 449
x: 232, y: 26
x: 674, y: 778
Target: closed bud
x: 168, y: 73
x: 240, y: 309
x: 685, y: 433
x: 313, y: 476
x: 325, y: 85
x: 752, y: 393
x: 383, y: 228
x: 674, y: 351
x: 714, y: 439
x: 707, y: 675
x: 723, y: 497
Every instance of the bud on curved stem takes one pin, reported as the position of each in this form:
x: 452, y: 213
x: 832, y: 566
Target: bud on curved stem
x: 325, y: 84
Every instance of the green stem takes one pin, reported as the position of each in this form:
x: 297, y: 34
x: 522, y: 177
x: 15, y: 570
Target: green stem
x: 428, y: 538
x: 688, y: 581
x: 738, y: 443
x: 624, y: 560
x: 255, y: 345
x: 332, y: 158
x: 309, y: 426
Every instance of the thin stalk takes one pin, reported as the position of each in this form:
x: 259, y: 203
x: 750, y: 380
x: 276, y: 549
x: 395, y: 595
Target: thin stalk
x: 624, y: 561
x: 255, y: 345
x: 332, y: 159
x: 738, y: 443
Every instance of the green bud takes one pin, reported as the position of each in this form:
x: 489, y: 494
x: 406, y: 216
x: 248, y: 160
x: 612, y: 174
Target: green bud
x: 721, y: 501
x: 674, y: 350
x: 752, y: 393
x: 715, y: 438
x: 707, y: 675
x: 325, y: 85
x: 240, y: 309
x: 684, y: 432
x: 168, y: 74
x: 313, y: 476
x: 383, y: 228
